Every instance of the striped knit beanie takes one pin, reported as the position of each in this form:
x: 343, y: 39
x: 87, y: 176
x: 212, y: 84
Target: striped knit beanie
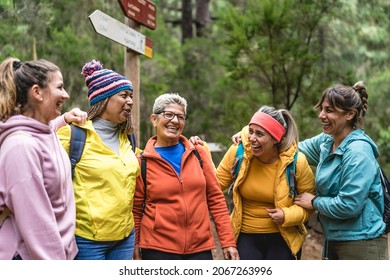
x: 103, y: 83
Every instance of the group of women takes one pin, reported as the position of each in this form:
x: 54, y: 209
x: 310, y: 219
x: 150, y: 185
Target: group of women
x: 109, y: 211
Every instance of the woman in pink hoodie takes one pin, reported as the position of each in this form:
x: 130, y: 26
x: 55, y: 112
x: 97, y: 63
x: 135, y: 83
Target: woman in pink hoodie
x: 37, y: 204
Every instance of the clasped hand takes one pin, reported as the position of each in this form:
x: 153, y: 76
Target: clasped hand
x: 304, y: 200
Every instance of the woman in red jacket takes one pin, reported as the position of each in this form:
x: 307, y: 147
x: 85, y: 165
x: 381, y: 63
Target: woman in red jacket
x: 171, y: 208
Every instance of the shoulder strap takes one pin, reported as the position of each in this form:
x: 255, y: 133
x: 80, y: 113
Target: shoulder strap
x: 386, y: 197
x: 196, y: 153
x: 133, y: 141
x: 238, y: 160
x: 236, y: 165
x: 143, y: 174
x: 290, y: 173
x: 76, y: 145
x: 385, y: 182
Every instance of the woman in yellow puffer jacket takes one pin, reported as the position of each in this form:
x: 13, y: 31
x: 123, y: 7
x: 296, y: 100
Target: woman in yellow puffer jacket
x: 266, y: 223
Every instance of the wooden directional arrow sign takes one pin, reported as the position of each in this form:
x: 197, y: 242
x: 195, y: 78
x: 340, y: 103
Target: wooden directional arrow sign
x: 120, y: 33
x: 142, y: 11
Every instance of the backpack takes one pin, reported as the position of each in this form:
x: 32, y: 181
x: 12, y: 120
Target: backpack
x: 386, y: 196
x: 290, y: 174
x: 143, y: 172
x: 77, y: 142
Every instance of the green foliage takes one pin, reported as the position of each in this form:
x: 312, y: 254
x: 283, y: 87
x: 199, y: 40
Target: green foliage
x: 377, y: 120
x: 272, y: 43
x: 277, y: 52
x: 274, y: 56
x: 157, y: 73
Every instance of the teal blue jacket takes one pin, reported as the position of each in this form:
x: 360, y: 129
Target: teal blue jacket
x: 348, y: 188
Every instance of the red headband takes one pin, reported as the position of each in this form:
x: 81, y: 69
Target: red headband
x: 267, y: 122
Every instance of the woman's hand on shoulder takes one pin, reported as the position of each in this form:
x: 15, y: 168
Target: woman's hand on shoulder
x: 77, y: 116
x: 196, y: 140
x: 236, y: 138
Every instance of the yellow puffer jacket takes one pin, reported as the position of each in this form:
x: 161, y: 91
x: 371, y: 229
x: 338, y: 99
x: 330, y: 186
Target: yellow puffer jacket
x: 293, y: 229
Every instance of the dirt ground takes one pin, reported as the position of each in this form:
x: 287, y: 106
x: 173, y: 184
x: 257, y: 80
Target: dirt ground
x: 312, y: 247
x: 311, y: 250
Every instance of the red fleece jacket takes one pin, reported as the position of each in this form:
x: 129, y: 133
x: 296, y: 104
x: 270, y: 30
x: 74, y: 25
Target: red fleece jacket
x: 176, y: 217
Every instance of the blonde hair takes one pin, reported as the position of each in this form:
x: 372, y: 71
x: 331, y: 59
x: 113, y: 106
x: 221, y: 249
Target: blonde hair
x: 16, y: 79
x: 8, y: 105
x: 287, y: 121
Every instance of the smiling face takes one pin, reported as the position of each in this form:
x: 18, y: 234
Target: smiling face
x: 168, y: 131
x: 52, y: 98
x: 119, y: 107
x: 335, y: 122
x: 263, y: 144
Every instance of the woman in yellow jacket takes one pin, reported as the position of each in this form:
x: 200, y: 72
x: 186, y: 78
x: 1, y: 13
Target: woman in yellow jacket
x: 104, y: 178
x: 266, y: 223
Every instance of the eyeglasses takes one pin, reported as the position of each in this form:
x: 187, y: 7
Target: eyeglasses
x: 170, y: 115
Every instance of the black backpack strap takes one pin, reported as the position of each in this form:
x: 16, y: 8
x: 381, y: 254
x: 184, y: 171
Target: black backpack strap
x: 133, y: 141
x: 386, y: 195
x: 76, y: 145
x: 196, y: 153
x: 143, y: 174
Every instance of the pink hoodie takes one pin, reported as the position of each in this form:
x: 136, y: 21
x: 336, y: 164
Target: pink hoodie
x: 36, y: 185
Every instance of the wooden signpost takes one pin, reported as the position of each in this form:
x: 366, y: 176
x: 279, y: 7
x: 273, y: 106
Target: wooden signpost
x: 137, y: 12
x: 141, y: 11
x: 121, y: 33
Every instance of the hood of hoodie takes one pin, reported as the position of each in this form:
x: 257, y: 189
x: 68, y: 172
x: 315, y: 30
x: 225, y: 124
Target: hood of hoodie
x: 47, y: 179
x: 20, y: 122
x: 48, y: 144
x: 43, y: 134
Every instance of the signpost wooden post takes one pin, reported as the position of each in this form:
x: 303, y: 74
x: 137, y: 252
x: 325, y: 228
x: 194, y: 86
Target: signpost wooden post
x: 138, y: 12
x: 132, y: 67
x: 128, y: 35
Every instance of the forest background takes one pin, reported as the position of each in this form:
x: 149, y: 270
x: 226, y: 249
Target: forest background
x: 226, y: 57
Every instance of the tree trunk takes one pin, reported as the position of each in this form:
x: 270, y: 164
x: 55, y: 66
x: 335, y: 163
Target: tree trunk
x: 186, y: 20
x: 202, y: 17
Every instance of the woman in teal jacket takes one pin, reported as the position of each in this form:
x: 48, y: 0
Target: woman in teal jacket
x: 349, y: 197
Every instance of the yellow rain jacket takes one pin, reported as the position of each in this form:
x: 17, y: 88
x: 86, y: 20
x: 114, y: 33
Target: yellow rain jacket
x: 104, y: 185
